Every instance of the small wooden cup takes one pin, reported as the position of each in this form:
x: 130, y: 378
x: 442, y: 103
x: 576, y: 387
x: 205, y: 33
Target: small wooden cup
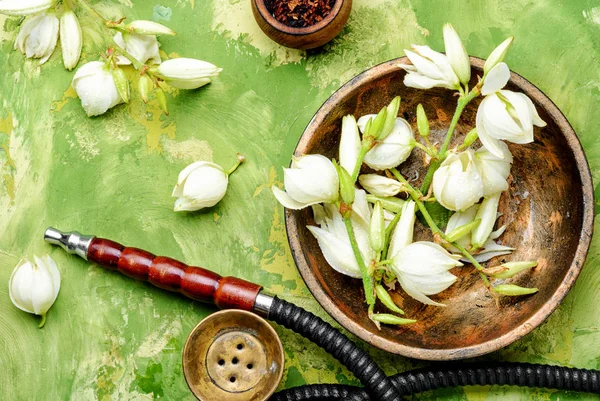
x: 302, y: 38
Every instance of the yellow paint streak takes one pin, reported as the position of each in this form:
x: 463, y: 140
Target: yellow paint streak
x: 3, y: 34
x: 476, y: 393
x: 67, y: 96
x: 272, y: 181
x: 8, y: 166
x: 149, y: 116
x: 6, y: 124
x: 278, y: 260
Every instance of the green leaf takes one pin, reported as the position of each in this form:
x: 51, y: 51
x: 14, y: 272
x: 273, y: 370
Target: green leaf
x: 438, y: 213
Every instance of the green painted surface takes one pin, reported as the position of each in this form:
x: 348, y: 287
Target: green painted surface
x: 110, y: 338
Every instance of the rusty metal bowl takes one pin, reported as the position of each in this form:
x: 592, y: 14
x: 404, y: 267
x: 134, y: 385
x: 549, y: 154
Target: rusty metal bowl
x: 548, y: 210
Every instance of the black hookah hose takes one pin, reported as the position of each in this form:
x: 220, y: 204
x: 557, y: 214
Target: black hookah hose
x: 417, y: 381
x: 231, y: 292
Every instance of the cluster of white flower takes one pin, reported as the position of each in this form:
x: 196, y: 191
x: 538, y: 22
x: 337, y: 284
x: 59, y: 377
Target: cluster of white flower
x: 102, y: 84
x: 368, y: 233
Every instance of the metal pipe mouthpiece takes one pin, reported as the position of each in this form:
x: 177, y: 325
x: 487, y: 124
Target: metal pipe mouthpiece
x: 72, y: 242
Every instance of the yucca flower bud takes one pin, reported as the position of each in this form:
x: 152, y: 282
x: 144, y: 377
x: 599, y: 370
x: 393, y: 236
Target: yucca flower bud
x: 70, y: 39
x: 33, y: 287
x: 38, y: 36
x: 186, y: 73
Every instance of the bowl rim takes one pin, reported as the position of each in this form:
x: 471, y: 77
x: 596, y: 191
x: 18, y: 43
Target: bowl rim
x: 536, y: 318
x: 281, y: 27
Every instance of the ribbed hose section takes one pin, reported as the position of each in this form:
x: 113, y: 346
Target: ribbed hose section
x: 513, y: 374
x: 331, y: 340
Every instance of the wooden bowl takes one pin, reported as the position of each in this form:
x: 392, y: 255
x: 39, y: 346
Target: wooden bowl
x: 548, y: 210
x: 302, y: 38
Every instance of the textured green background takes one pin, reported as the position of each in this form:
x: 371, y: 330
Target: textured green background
x: 110, y: 338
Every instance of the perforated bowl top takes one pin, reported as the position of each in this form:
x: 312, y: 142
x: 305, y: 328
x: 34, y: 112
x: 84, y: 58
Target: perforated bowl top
x: 233, y: 355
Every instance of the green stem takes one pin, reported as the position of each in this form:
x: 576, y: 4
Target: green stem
x: 426, y: 150
x: 94, y: 13
x: 463, y: 101
x: 361, y: 156
x: 366, y: 278
x: 388, y: 234
x: 240, y: 160
x: 43, y: 322
x: 416, y: 196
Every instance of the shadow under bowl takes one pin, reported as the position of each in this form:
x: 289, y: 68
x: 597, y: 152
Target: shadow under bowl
x: 548, y: 211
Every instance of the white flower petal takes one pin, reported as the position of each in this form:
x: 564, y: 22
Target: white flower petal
x: 497, y: 120
x: 18, y: 286
x: 496, y: 79
x: 459, y: 219
x: 394, y: 149
x: 362, y: 121
x: 201, y: 184
x: 412, y: 290
x: 424, y: 65
x: 431, y: 285
x: 523, y: 111
x: 144, y: 27
x: 457, y: 54
x: 498, y: 54
x: 349, y: 144
x: 144, y: 48
x: 312, y: 179
x: 493, y: 145
x: 96, y: 88
x: 360, y: 208
x: 402, y: 235
x: 70, y: 39
x: 493, y: 170
x: 534, y: 114
x: 418, y: 81
x: 24, y: 7
x: 42, y: 293
x: 487, y: 213
x: 379, y: 185
x: 287, y: 201
x: 457, y: 184
x: 337, y: 252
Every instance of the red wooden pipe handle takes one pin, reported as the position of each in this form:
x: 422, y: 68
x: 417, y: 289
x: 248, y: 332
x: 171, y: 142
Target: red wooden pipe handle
x: 170, y: 274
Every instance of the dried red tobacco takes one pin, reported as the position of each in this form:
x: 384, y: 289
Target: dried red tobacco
x: 299, y: 13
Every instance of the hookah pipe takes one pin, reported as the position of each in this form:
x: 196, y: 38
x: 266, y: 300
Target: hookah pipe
x: 234, y: 293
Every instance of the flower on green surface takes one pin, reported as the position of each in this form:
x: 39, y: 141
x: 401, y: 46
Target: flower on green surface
x: 24, y: 7
x: 143, y: 27
x: 201, y: 184
x: 429, y: 69
x: 33, y: 287
x: 457, y: 184
x: 38, y: 35
x: 95, y: 86
x: 457, y: 54
x: 333, y: 239
x: 312, y: 179
x: 186, y: 73
x: 70, y: 39
x: 394, y: 149
x: 144, y: 48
